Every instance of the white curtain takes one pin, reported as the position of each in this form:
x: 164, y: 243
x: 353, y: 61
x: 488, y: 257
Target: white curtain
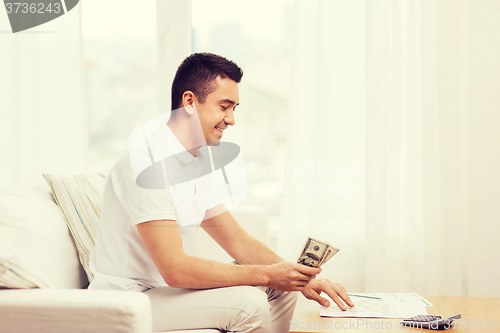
x: 174, y: 45
x: 393, y: 144
x: 43, y: 125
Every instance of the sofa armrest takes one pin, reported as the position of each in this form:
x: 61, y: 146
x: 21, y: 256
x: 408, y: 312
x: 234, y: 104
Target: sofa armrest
x: 253, y: 219
x: 74, y: 310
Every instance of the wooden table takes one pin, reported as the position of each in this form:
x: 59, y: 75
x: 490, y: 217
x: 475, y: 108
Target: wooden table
x: 477, y: 314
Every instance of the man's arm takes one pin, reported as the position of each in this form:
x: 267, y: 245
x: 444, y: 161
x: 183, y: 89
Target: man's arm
x: 245, y: 249
x: 164, y: 243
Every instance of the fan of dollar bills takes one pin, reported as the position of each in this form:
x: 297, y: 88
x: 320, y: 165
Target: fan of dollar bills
x: 316, y: 253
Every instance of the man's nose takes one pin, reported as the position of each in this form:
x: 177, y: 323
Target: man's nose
x: 229, y: 118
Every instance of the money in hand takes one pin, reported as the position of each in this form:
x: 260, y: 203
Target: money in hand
x: 315, y: 253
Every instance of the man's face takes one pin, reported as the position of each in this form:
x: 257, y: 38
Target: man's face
x: 217, y: 113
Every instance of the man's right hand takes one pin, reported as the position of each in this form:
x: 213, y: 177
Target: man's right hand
x: 289, y: 276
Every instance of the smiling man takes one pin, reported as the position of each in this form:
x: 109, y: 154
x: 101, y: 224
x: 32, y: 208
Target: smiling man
x: 147, y: 236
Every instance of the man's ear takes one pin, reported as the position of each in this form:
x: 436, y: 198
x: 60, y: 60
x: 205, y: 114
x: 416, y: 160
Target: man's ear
x: 188, y: 99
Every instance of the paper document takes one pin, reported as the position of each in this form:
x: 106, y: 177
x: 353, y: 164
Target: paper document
x: 396, y: 305
x: 397, y: 298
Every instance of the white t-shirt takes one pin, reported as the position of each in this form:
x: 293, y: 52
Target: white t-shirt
x: 120, y: 260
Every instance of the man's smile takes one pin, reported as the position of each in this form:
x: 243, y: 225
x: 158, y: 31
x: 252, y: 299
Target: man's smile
x: 220, y: 129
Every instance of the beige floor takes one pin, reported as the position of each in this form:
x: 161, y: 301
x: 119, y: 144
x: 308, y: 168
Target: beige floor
x: 302, y: 303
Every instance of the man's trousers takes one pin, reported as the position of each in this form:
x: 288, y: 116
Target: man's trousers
x: 231, y: 309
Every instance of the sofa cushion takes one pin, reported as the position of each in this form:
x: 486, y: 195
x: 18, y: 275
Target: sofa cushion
x: 80, y: 199
x: 253, y: 219
x: 13, y: 273
x: 35, y: 242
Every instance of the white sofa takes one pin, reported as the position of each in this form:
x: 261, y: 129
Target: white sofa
x: 34, y: 235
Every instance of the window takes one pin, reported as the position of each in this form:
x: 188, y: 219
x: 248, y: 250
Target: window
x: 257, y: 35
x: 120, y: 74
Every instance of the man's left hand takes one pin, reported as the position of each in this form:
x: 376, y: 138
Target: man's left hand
x: 335, y: 290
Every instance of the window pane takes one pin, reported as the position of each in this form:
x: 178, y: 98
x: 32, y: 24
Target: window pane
x: 257, y: 36
x: 120, y: 73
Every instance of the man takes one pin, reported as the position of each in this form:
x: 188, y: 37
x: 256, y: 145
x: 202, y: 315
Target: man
x: 146, y: 236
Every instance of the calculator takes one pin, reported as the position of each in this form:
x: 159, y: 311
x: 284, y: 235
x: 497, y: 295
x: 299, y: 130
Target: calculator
x: 430, y: 322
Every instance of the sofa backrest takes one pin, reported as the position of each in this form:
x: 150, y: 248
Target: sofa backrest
x: 33, y: 234
x: 253, y: 219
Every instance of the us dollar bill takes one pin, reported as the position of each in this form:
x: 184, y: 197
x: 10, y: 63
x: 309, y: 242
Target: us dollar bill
x: 315, y: 253
x: 332, y: 250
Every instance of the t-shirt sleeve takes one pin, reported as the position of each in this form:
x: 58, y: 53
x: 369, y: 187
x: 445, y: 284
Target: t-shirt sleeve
x: 143, y: 204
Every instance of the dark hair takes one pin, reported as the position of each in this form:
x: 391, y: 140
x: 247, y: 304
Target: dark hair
x: 198, y: 73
